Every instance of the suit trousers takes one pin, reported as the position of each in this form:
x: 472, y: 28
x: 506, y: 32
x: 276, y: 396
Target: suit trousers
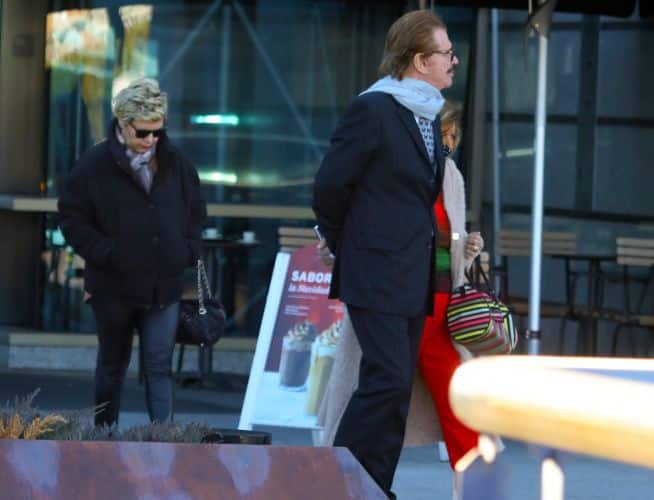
x: 374, y: 421
x: 157, y: 328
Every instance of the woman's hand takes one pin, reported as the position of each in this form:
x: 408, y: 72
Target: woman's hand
x: 325, y: 254
x: 473, y: 246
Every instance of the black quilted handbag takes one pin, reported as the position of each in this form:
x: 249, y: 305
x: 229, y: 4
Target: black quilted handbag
x: 201, y: 320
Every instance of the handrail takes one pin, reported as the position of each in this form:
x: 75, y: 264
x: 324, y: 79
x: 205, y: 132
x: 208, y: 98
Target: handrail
x: 572, y: 404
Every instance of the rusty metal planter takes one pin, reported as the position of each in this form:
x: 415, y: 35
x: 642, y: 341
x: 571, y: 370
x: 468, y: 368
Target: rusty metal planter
x: 69, y: 470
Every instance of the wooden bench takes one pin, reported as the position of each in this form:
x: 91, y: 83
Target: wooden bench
x: 292, y: 238
x: 514, y: 243
x: 517, y: 243
x: 635, y: 256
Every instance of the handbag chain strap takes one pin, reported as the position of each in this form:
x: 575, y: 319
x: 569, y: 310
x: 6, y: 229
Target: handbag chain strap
x: 203, y: 285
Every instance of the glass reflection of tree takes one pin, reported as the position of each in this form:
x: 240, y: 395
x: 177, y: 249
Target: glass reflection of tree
x: 80, y: 44
x: 135, y: 61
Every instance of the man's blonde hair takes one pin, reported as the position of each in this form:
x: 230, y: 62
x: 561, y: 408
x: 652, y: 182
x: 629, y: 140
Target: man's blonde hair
x: 411, y: 34
x: 140, y: 100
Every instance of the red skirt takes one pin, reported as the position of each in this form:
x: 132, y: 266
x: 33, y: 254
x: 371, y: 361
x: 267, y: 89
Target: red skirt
x: 437, y: 360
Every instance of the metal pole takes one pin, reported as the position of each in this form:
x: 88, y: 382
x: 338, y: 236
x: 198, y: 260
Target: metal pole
x: 311, y: 85
x: 476, y: 129
x: 78, y: 118
x: 223, y: 93
x: 354, y: 32
x: 223, y: 96
x: 552, y: 478
x: 364, y: 36
x: 327, y: 68
x: 497, y: 191
x: 533, y: 334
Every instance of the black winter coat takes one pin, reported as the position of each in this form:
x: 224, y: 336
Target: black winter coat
x: 136, y: 245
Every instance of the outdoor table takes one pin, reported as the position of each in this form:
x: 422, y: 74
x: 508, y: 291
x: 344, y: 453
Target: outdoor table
x: 603, y: 407
x: 212, y: 247
x: 587, y: 339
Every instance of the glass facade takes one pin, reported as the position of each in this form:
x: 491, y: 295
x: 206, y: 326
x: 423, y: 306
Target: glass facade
x: 257, y: 86
x: 255, y: 90
x: 600, y: 115
x: 625, y: 119
x: 598, y: 140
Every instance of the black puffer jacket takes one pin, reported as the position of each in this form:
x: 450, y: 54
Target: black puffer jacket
x: 136, y: 245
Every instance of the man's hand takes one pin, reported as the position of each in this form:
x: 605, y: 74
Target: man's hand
x: 325, y: 254
x: 473, y: 246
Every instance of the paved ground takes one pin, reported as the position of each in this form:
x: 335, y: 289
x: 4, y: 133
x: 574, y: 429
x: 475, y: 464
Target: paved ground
x: 420, y: 475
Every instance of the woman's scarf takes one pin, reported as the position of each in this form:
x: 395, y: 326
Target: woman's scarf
x: 136, y: 160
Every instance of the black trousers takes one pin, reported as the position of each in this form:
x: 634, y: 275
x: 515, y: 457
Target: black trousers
x: 373, y: 424
x: 157, y: 328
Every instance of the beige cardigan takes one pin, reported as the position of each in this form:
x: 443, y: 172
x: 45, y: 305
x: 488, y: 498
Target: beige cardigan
x: 422, y: 423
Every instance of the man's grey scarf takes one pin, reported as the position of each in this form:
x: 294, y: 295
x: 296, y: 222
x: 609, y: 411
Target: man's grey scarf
x: 422, y: 98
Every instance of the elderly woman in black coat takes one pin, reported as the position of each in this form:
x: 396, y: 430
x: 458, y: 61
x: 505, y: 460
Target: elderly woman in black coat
x: 132, y: 208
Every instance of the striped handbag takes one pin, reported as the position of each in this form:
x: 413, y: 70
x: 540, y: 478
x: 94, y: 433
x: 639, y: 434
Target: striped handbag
x: 480, y: 322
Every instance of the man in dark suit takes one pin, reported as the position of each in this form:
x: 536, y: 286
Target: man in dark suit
x: 373, y: 198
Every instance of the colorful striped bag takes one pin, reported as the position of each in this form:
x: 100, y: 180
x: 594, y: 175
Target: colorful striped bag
x: 480, y: 323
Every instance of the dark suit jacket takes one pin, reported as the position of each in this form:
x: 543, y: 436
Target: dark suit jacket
x: 373, y: 198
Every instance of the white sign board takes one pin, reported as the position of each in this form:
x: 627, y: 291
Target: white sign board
x: 296, y: 344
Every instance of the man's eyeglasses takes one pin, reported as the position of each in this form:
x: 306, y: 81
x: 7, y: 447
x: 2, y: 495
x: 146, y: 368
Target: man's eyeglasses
x: 449, y: 52
x: 143, y: 133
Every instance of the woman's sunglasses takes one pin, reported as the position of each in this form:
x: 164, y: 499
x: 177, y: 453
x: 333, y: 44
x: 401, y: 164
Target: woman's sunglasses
x: 143, y: 133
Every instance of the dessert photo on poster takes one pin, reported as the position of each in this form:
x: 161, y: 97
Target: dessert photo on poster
x: 303, y: 345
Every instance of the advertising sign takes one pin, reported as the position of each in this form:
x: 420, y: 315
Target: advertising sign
x: 296, y: 345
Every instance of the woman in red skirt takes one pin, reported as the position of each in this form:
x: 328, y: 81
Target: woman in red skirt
x: 438, y: 357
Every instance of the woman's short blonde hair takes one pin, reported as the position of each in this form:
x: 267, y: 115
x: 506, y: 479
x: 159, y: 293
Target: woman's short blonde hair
x: 140, y: 100
x: 451, y: 114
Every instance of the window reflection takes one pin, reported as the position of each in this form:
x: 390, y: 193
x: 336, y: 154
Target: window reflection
x: 255, y: 89
x: 80, y: 51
